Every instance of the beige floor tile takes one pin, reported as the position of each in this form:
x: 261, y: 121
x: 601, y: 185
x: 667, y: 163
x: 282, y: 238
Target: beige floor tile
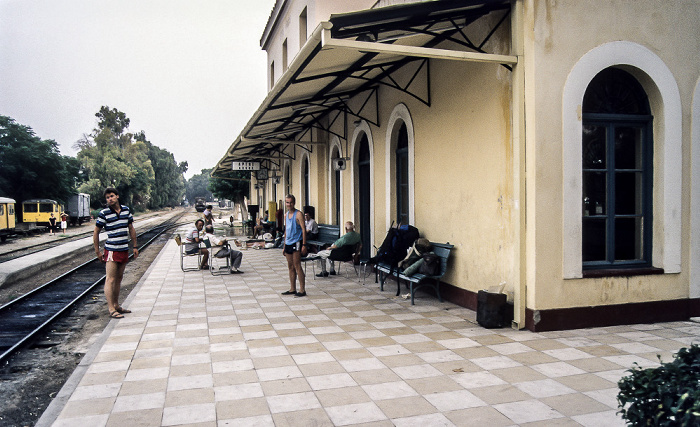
x: 150, y: 362
x: 141, y: 387
x: 544, y: 344
x: 433, y: 385
x: 292, y: 402
x: 141, y: 418
x: 306, y: 348
x: 242, y: 408
x: 502, y: 393
x: 586, y: 382
x: 102, y: 378
x: 122, y: 355
x: 480, y: 416
x: 237, y: 377
x: 406, y: 407
x: 374, y: 376
x: 342, y: 396
x: 558, y: 422
x: 202, y: 414
x: 475, y: 352
x: 354, y: 353
x: 272, y: 362
x: 189, y: 397
x: 611, y: 339
x: 340, y: 336
x: 190, y: 370
x: 424, y: 347
x: 401, y: 360
x: 443, y: 335
x: 602, y: 350
x: 456, y: 366
x: 376, y: 342
x: 527, y: 411
x: 285, y: 386
x: 326, y: 368
x: 492, y: 339
x: 574, y: 404
x: 81, y: 408
x: 222, y: 356
x: 518, y: 374
x: 594, y: 365
x: 312, y: 417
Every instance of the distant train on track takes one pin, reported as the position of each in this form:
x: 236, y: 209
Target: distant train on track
x: 79, y: 208
x: 7, y: 217
x: 200, y: 204
x: 39, y: 211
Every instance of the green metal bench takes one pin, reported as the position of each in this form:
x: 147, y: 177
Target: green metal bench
x: 418, y: 280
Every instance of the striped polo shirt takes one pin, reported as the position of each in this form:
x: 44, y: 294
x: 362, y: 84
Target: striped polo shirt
x: 117, y: 228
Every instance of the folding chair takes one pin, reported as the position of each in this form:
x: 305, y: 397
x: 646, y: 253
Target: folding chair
x: 217, y: 264
x: 353, y: 261
x: 184, y: 255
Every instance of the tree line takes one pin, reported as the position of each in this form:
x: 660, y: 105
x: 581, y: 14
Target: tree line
x: 147, y: 176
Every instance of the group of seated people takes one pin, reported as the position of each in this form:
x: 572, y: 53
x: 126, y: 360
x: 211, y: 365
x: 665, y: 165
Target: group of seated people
x: 195, y: 237
x: 341, y: 250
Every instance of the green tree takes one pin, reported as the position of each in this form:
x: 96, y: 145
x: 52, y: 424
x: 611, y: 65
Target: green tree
x: 169, y: 185
x: 114, y: 158
x: 234, y: 187
x: 31, y: 167
x: 197, y: 186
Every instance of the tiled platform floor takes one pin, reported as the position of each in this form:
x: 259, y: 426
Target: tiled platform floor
x: 231, y: 351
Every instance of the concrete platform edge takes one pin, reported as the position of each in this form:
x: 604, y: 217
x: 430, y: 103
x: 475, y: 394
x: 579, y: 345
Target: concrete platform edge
x: 56, y: 406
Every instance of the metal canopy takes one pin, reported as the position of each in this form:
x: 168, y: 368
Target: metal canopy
x: 336, y: 75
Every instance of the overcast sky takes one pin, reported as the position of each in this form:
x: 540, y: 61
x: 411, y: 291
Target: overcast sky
x: 190, y: 73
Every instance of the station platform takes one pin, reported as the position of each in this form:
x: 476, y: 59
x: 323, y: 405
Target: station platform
x: 230, y: 350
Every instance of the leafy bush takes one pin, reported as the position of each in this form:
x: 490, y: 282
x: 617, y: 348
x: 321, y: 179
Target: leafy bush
x: 668, y: 395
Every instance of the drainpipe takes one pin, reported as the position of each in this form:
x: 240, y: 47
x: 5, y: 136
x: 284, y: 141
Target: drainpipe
x: 519, y: 170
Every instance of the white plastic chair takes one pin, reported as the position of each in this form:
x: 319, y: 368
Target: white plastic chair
x: 184, y: 256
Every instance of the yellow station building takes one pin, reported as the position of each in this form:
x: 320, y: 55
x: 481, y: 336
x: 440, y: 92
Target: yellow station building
x: 555, y: 144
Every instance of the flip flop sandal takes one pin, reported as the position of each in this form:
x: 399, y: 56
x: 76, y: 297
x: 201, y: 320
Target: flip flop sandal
x: 116, y: 315
x: 123, y: 310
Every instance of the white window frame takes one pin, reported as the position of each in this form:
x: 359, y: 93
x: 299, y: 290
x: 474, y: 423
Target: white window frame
x: 399, y: 113
x: 664, y: 100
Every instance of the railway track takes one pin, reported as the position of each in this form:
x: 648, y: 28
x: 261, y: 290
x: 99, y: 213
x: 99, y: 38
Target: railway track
x: 20, y: 252
x: 25, y: 317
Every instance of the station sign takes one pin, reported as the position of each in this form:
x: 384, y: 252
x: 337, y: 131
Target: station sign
x: 246, y: 166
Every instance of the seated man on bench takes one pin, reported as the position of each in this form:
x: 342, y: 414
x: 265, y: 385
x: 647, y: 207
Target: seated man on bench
x: 342, y: 249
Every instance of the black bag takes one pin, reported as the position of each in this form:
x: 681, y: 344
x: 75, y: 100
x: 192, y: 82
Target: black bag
x: 431, y: 264
x: 396, y: 244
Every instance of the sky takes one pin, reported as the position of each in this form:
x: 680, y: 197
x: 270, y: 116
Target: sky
x: 189, y: 73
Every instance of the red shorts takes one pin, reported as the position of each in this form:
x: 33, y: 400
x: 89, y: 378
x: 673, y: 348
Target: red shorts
x: 119, y: 257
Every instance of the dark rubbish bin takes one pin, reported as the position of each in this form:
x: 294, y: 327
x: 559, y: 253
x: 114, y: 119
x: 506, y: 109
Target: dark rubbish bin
x: 493, y: 310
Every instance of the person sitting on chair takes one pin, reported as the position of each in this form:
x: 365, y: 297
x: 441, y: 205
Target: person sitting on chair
x: 192, y: 240
x: 311, y: 227
x: 235, y: 256
x: 342, y: 249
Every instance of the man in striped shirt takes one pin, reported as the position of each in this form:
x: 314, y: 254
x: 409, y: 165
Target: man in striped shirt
x: 117, y: 221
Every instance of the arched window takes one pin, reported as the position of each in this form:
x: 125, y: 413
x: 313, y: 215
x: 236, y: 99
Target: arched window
x: 307, y: 186
x: 617, y: 164
x: 335, y: 188
x: 287, y: 180
x: 364, y: 193
x: 402, y: 183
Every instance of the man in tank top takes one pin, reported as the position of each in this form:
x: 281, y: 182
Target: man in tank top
x: 294, y: 244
